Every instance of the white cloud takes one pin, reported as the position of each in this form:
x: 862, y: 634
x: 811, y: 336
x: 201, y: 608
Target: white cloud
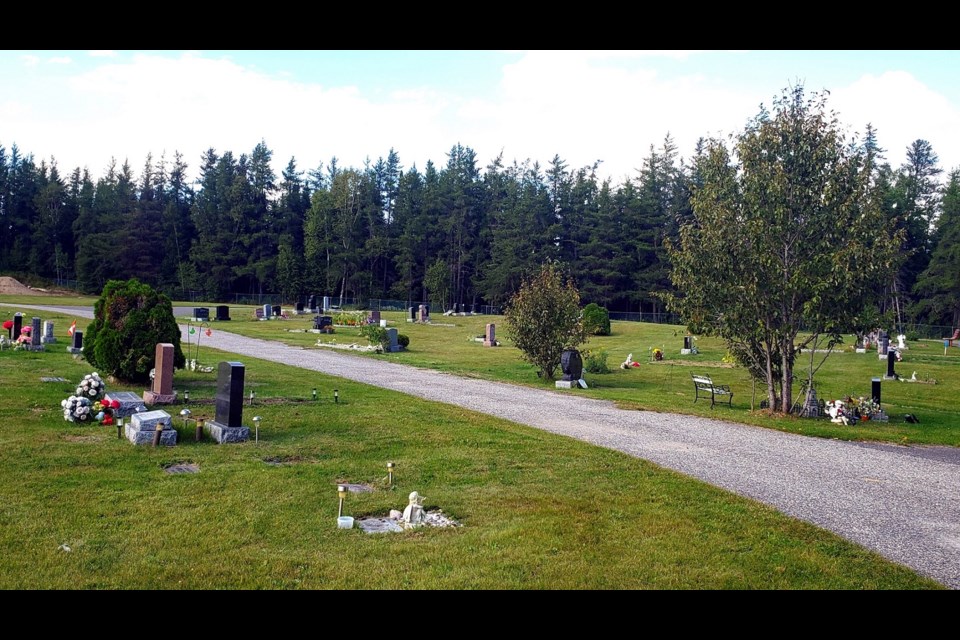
x: 60, y: 60
x: 584, y: 106
x: 902, y: 110
x: 102, y: 53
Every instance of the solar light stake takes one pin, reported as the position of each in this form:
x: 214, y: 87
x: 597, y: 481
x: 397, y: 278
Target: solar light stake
x: 314, y: 393
x: 336, y: 396
x: 256, y: 426
x: 186, y: 395
x: 157, y: 434
x: 252, y: 396
x: 390, y: 473
x: 200, y: 423
x: 119, y: 428
x: 342, y: 492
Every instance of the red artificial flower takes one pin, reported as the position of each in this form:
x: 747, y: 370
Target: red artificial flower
x: 8, y: 325
x: 114, y: 404
x: 107, y: 420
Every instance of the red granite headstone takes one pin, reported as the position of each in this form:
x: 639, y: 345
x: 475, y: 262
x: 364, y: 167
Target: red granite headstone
x: 161, y: 392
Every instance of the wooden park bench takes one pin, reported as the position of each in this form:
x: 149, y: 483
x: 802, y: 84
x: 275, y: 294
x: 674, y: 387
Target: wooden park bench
x: 704, y: 385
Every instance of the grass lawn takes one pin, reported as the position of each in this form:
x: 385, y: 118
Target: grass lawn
x: 539, y: 511
x: 666, y: 385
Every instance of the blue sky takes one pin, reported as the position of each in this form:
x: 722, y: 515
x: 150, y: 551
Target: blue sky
x: 85, y: 107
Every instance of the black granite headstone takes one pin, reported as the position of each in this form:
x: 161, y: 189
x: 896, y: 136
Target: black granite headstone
x: 17, y: 326
x: 299, y: 307
x: 201, y: 313
x: 413, y: 313
x: 229, y: 399
x: 312, y: 302
x: 78, y: 340
x: 571, y: 364
x: 319, y: 322
x: 686, y: 342
x: 223, y: 312
x: 875, y: 389
x: 891, y: 359
x: 277, y: 310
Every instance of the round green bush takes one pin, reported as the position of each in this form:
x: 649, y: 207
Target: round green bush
x: 130, y: 319
x: 596, y: 320
x: 403, y: 340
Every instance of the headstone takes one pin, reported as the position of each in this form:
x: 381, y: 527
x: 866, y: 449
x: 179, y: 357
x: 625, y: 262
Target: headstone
x: 572, y: 366
x: 875, y: 389
x: 383, y: 323
x: 130, y: 403
x: 17, y: 325
x: 142, y: 428
x: 277, y: 311
x: 811, y: 408
x: 891, y: 359
x: 223, y: 313
x: 267, y: 311
x: 227, y: 425
x: 48, y: 336
x: 413, y: 314
x: 161, y: 392
x: 35, y: 332
x: 884, y: 344
x: 326, y: 302
x: 312, y: 303
x: 687, y: 340
x: 901, y: 341
x: 299, y: 309
x: 423, y: 313
x: 394, y: 345
x: 201, y: 313
x: 77, y: 345
x: 490, y: 339
x: 426, y: 309
x: 374, y: 317
x: 323, y: 322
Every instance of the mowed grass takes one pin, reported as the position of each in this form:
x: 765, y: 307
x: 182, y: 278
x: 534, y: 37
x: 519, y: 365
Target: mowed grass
x: 539, y: 511
x: 666, y: 385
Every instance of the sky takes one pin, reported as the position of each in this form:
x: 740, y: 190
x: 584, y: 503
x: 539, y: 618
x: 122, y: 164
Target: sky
x: 84, y: 108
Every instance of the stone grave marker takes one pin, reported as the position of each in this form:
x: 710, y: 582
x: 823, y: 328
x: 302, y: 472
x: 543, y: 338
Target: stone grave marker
x: 490, y: 339
x: 413, y: 314
x: 891, y: 360
x: 48, y: 336
x: 17, y: 325
x: 130, y: 403
x: 35, y: 334
x: 571, y: 363
x: 312, y: 303
x: 374, y: 317
x: 142, y: 427
x: 227, y: 426
x: 267, y: 311
x: 77, y: 345
x: 299, y: 309
x: 161, y: 392
x: 201, y: 313
x: 223, y: 313
x: 326, y: 302
x: 423, y: 316
x: 394, y: 345
x: 277, y: 311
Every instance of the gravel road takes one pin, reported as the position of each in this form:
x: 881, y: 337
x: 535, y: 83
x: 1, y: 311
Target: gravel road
x: 903, y: 502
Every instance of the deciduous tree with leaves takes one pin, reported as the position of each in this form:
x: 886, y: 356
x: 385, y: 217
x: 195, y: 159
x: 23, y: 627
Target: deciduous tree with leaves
x: 787, y: 234
x: 545, y: 318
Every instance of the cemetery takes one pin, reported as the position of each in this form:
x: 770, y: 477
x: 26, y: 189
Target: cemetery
x: 188, y: 503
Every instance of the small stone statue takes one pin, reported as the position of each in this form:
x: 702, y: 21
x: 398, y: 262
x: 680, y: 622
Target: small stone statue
x: 901, y: 341
x: 413, y: 514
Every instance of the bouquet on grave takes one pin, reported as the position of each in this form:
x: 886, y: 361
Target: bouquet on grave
x: 657, y: 353
x: 87, y: 404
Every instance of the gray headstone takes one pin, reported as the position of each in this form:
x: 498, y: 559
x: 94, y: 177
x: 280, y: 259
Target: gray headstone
x: 392, y: 334
x: 266, y: 311
x: 35, y: 332
x: 48, y: 336
x: 326, y: 302
x: 142, y: 427
x: 130, y: 403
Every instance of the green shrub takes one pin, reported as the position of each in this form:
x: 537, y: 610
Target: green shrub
x: 596, y: 320
x: 595, y: 361
x: 376, y: 334
x: 913, y: 335
x: 130, y: 319
x: 403, y: 340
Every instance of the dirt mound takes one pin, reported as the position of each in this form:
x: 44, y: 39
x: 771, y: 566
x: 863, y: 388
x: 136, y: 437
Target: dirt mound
x: 12, y: 286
